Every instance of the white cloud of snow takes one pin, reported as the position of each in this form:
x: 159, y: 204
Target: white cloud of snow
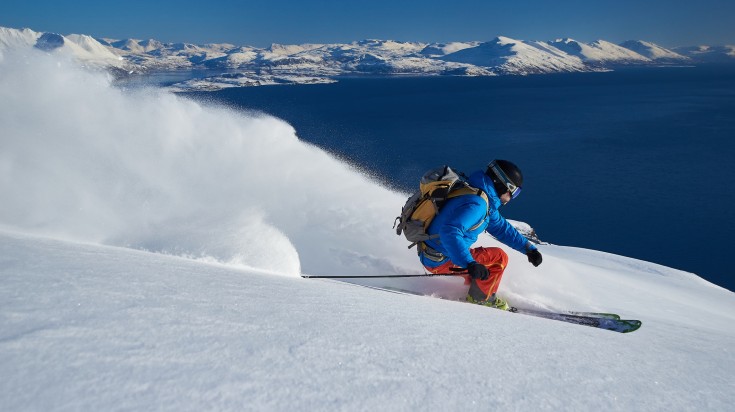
x: 84, y: 160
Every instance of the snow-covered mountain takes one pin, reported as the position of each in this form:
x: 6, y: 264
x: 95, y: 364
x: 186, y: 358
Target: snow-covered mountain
x: 88, y: 49
x: 81, y: 47
x: 654, y: 52
x: 133, y: 45
x: 12, y: 38
x: 442, y: 49
x: 150, y: 253
x: 508, y: 56
x: 600, y: 52
x: 318, y: 63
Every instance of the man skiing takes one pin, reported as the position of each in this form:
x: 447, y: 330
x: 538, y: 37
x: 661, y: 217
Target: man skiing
x: 461, y: 220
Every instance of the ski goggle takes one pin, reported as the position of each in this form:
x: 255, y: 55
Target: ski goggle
x: 505, y: 180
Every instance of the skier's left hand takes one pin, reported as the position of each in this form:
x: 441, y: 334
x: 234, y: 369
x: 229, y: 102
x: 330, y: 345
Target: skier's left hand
x: 534, y: 256
x: 478, y: 271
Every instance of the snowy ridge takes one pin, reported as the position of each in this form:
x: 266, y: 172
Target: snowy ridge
x: 87, y: 49
x: 600, y: 52
x: 509, y: 56
x: 318, y: 63
x: 81, y: 47
x: 442, y: 49
x: 12, y: 38
x: 654, y: 52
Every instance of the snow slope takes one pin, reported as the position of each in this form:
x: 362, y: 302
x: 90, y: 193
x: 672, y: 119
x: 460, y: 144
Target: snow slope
x: 100, y: 328
x: 150, y: 249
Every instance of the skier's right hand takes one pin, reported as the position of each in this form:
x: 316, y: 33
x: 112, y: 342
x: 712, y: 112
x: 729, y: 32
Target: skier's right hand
x: 478, y: 271
x: 534, y: 256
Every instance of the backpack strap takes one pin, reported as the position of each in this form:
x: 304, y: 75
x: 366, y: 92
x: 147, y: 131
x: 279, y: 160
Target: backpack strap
x: 484, y: 197
x: 472, y: 191
x: 421, y: 242
x: 430, y: 253
x: 435, y: 255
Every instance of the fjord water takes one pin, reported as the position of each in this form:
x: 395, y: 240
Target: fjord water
x: 632, y: 162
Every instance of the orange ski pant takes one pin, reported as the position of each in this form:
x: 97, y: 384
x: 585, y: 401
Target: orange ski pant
x: 494, y: 259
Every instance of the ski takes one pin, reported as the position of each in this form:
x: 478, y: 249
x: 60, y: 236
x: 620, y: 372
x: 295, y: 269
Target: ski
x: 601, y: 320
x: 607, y: 323
x: 596, y: 315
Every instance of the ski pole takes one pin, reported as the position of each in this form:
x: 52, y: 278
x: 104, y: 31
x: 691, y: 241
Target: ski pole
x: 385, y: 276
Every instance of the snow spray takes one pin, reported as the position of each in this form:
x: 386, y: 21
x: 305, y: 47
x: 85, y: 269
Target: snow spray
x: 82, y: 159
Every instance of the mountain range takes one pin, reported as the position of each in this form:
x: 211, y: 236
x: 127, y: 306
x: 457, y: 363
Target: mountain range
x: 312, y: 63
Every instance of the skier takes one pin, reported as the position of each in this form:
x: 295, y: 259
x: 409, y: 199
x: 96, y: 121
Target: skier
x: 461, y: 220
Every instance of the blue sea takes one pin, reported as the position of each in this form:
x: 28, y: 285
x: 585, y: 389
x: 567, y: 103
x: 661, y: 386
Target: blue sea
x: 633, y: 162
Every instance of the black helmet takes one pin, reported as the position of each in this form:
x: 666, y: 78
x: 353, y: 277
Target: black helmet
x: 506, y: 177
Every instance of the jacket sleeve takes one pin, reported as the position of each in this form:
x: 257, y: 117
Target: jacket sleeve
x: 500, y: 229
x: 458, y: 223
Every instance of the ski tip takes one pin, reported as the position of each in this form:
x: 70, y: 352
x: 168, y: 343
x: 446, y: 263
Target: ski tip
x: 634, y: 325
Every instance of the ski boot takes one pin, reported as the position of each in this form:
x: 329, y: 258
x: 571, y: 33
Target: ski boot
x: 493, y: 302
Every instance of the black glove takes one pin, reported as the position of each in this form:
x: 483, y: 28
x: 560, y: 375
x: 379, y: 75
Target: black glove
x: 534, y: 256
x: 478, y: 271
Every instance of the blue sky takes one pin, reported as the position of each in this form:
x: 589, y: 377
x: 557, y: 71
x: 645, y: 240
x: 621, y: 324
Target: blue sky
x: 259, y: 22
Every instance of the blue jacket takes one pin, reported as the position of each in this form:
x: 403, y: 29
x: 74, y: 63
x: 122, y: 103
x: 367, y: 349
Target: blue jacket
x: 460, y: 214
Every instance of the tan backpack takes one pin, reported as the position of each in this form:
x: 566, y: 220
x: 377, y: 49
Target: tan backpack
x: 436, y: 187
